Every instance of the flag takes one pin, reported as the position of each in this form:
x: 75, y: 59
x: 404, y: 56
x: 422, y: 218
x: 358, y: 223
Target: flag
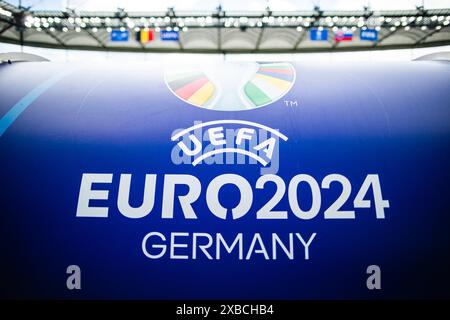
x: 341, y: 35
x: 318, y: 34
x: 166, y: 35
x: 144, y: 36
x: 369, y: 35
x: 119, y: 35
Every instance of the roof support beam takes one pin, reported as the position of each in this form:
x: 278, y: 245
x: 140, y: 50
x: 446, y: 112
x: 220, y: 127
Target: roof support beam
x: 219, y: 38
x: 385, y: 37
x: 93, y: 36
x: 258, y: 41
x: 55, y: 38
x: 180, y: 44
x: 6, y: 28
x: 425, y: 37
x: 300, y: 39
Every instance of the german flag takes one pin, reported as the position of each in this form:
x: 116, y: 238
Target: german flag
x: 144, y: 36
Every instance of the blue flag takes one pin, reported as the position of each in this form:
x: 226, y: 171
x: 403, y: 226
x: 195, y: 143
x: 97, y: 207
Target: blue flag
x: 119, y: 35
x: 169, y: 35
x: 318, y: 35
x: 369, y: 34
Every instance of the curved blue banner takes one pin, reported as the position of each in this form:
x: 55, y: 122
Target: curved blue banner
x: 232, y: 180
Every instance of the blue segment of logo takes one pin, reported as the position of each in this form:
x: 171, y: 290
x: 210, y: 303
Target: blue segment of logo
x: 369, y: 34
x: 318, y: 35
x: 119, y: 35
x: 169, y: 35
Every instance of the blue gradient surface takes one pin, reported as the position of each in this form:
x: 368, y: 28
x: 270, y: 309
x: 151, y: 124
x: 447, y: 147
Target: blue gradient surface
x: 353, y: 119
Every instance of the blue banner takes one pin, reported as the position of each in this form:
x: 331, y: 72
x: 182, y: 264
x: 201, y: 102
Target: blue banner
x: 169, y: 35
x: 119, y: 35
x: 318, y: 34
x: 369, y: 35
x: 232, y: 180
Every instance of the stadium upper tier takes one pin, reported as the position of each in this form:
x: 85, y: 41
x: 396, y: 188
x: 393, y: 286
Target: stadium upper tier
x: 225, y: 31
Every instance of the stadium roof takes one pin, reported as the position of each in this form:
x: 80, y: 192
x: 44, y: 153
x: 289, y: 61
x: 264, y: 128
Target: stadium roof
x: 224, y: 31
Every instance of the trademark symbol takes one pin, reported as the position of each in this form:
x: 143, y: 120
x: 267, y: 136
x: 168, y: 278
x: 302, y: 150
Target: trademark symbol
x: 291, y: 103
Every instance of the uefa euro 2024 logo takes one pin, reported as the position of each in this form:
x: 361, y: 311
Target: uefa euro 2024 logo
x: 216, y: 88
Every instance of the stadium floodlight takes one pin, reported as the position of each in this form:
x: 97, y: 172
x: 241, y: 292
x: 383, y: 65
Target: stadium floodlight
x: 5, y: 12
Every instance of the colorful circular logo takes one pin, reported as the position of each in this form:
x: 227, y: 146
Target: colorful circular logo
x: 231, y: 86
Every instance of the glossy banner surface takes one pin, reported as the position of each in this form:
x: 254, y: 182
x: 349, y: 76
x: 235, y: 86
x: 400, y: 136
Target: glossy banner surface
x: 270, y: 180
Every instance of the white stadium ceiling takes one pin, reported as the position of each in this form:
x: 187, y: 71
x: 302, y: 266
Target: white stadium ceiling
x: 224, y: 31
